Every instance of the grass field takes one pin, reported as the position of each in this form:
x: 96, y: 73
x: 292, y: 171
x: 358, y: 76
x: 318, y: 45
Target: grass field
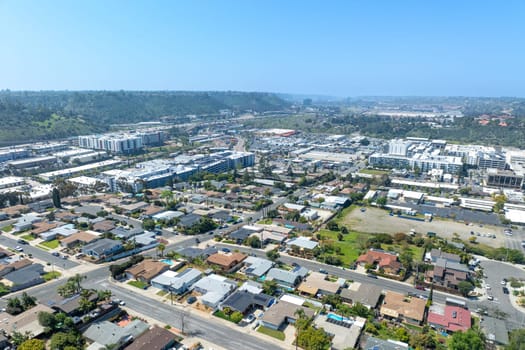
x: 7, y: 228
x: 138, y: 284
x: 350, y: 246
x: 51, y: 275
x: 51, y: 244
x: 272, y: 333
x: 28, y: 237
x: 373, y: 171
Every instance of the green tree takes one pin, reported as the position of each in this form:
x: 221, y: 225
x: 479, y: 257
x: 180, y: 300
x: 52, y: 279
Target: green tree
x: 273, y: 254
x: 161, y: 247
x: 381, y: 202
x: 516, y: 340
x: 27, y: 301
x: 472, y: 339
x: 254, y: 242
x: 14, y: 306
x: 344, y: 230
x: 32, y: 344
x: 465, y: 287
x: 269, y: 287
x: 18, y: 338
x: 55, y: 195
x: 148, y: 224
x: 47, y: 320
x: 236, y: 317
x: 63, y: 340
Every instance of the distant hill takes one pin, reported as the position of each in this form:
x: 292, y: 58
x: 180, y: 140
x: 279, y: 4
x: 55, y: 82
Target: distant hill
x: 41, y: 115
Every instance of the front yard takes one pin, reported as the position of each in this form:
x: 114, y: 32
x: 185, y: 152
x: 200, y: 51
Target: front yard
x: 50, y: 244
x: 51, y: 275
x: 138, y: 284
x: 271, y: 332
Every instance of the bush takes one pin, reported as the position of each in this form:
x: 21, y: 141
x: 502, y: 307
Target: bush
x: 236, y: 317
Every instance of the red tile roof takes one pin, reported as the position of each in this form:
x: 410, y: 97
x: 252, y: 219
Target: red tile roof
x: 383, y: 259
x: 454, y: 319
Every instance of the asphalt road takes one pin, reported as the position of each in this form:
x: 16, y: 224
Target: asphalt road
x: 38, y: 253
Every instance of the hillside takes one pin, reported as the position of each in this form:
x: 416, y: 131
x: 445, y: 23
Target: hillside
x: 32, y: 115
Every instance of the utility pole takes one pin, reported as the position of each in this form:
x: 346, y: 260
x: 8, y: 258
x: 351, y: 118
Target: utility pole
x: 171, y: 292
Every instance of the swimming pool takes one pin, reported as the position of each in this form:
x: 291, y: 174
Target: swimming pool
x: 338, y: 318
x: 168, y: 262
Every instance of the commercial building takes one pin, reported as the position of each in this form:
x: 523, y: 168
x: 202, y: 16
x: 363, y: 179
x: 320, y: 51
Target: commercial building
x: 504, y: 178
x: 122, y: 142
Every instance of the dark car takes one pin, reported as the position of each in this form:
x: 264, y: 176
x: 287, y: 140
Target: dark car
x: 420, y: 287
x: 22, y: 241
x: 371, y: 275
x: 323, y: 271
x: 505, y: 290
x: 191, y: 300
x: 226, y: 250
x: 197, y: 241
x: 55, y: 254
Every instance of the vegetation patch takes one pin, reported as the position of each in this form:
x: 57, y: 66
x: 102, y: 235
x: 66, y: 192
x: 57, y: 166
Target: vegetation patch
x: 271, y: 332
x: 138, y: 284
x: 51, y: 244
x: 51, y: 275
x: 28, y: 237
x: 7, y: 228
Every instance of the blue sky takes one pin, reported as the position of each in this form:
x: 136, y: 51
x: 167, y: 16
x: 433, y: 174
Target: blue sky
x: 341, y: 48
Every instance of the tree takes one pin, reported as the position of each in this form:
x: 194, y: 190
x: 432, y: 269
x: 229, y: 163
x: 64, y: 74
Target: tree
x: 14, y: 306
x: 62, y: 340
x: 47, y: 320
x: 32, y: 344
x: 161, y: 247
x: 27, y: 301
x: 472, y: 339
x: 516, y: 340
x: 254, y: 242
x: 344, y: 230
x: 236, y: 317
x: 273, y: 254
x: 148, y: 224
x: 465, y: 287
x: 381, y: 201
x: 18, y: 338
x: 332, y: 226
x: 269, y: 287
x: 339, y: 236
x: 55, y: 195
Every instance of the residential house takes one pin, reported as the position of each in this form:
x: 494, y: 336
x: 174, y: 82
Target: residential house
x: 435, y: 254
x: 316, y: 283
x: 79, y: 238
x: 177, y: 283
x: 25, y: 222
x: 102, y: 248
x: 146, y: 270
x: 155, y: 338
x: 25, y: 277
x: 13, y: 266
x: 89, y: 210
x: 283, y: 313
x: 168, y: 215
x: 373, y: 343
x: 126, y: 233
x: 43, y: 226
x: 214, y: 289
x: 240, y: 235
x: 285, y: 278
x: 403, y: 308
x: 227, y: 262
x: 245, y: 301
x: 26, y: 321
x: 152, y: 210
x: 256, y: 267
x: 194, y: 253
x: 447, y: 274
x: 366, y: 294
x: 189, y: 220
x: 302, y: 246
x: 41, y: 206
x: 61, y: 231
x: 5, y: 253
x: 70, y: 306
x: 449, y: 318
x: 104, y: 226
x: 107, y: 333
x: 133, y: 207
x: 384, y: 261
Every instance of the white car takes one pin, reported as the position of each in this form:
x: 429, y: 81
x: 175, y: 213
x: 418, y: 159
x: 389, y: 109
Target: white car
x: 122, y: 303
x: 19, y: 248
x: 487, y: 286
x: 503, y: 282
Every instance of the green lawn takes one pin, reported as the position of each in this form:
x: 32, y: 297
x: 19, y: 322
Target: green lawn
x: 373, y: 171
x: 28, y: 237
x: 7, y: 228
x: 51, y: 244
x: 272, y: 333
x: 138, y: 284
x: 416, y: 251
x: 51, y: 275
x: 4, y: 289
x: 349, y: 246
x: 162, y: 293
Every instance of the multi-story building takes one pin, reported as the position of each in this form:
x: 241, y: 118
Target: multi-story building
x: 115, y: 143
x: 504, y: 178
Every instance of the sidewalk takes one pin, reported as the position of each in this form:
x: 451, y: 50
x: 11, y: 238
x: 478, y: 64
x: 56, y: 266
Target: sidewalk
x: 151, y: 293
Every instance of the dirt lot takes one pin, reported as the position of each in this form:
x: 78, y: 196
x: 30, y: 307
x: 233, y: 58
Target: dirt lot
x: 375, y: 220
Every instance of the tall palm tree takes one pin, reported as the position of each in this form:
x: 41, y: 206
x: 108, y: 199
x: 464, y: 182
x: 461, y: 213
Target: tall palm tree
x: 161, y: 247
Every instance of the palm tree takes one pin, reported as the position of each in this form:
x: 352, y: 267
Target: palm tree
x: 77, y: 279
x: 161, y: 247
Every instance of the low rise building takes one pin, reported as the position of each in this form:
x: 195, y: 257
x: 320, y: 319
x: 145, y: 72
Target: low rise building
x: 403, y: 308
x: 282, y: 313
x: 146, y: 270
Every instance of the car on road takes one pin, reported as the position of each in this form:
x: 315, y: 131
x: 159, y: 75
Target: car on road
x: 55, y: 254
x: 503, y: 282
x: 64, y: 257
x: 323, y: 271
x: 191, y: 300
x: 19, y: 248
x: 22, y: 241
x: 505, y: 290
x: 487, y: 286
x: 197, y: 241
x: 371, y: 275
x: 490, y: 298
x: 226, y: 250
x: 420, y: 287
x: 122, y: 303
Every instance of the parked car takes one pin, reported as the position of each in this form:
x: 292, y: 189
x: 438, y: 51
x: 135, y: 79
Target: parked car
x: 250, y: 318
x: 226, y: 250
x: 191, y: 300
x: 19, y: 248
x: 64, y: 257
x: 22, y: 241
x: 505, y: 290
x: 122, y: 303
x: 323, y: 271
x: 371, y: 275
x: 420, y: 287
x: 490, y: 297
x: 197, y: 241
x: 55, y: 254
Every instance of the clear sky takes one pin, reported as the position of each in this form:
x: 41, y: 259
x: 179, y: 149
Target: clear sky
x: 341, y: 48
